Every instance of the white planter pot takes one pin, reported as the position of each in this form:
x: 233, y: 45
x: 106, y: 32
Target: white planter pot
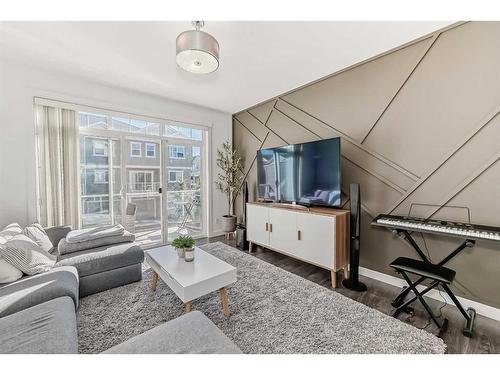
x: 180, y: 252
x: 228, y: 223
x: 189, y: 254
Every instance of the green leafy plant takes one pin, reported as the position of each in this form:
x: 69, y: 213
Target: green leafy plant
x: 183, y: 242
x: 231, y: 176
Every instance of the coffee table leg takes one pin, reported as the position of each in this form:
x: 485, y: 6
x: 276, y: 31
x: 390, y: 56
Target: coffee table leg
x: 188, y: 306
x: 154, y: 281
x: 225, y: 303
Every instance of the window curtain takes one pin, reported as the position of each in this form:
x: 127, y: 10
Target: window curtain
x: 57, y: 153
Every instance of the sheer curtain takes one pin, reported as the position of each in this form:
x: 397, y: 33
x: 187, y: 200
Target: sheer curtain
x: 57, y: 153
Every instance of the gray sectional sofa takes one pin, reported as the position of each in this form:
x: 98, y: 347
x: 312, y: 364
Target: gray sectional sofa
x: 45, y: 328
x: 103, y: 267
x: 38, y: 313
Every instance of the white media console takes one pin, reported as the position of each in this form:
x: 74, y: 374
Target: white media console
x: 319, y: 236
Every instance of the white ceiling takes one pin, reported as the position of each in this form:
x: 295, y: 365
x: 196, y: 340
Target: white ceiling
x: 258, y: 60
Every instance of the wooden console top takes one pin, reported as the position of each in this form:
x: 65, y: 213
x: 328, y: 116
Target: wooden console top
x: 327, y: 211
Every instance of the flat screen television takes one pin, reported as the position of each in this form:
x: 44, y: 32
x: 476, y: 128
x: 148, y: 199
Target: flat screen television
x: 305, y: 173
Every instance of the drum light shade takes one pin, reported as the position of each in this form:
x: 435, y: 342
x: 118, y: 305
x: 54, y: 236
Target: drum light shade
x: 197, y: 51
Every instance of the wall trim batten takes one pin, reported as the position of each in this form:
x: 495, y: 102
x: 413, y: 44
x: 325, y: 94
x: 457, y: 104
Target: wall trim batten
x: 412, y: 70
x: 366, y: 61
x: 486, y: 120
x: 357, y: 144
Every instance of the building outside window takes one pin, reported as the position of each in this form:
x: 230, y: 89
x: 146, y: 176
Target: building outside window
x: 131, y: 151
x: 101, y: 177
x: 176, y: 152
x: 175, y: 176
x: 196, y: 150
x: 96, y: 204
x: 141, y: 181
x: 151, y: 150
x: 183, y: 132
x: 100, y: 148
x: 92, y: 121
x: 135, y: 149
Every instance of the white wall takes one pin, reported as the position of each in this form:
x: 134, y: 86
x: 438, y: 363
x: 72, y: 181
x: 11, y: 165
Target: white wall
x: 20, y: 84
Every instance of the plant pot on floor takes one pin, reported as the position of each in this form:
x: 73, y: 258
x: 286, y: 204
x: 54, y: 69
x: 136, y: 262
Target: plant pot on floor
x: 228, y: 223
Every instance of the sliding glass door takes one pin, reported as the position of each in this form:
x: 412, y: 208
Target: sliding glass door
x: 100, y: 200
x: 142, y: 173
x: 147, y: 176
x: 182, y: 166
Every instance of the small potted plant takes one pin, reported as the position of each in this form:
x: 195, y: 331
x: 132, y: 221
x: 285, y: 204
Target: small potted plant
x: 229, y: 181
x: 185, y: 247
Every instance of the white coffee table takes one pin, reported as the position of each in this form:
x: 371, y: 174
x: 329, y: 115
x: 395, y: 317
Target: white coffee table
x: 190, y: 280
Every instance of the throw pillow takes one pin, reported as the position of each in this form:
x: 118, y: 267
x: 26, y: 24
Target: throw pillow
x: 25, y: 254
x: 36, y: 233
x: 10, y: 231
x: 8, y: 273
x: 13, y: 226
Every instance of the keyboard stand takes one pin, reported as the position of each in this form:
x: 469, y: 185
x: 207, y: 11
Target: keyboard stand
x: 470, y: 314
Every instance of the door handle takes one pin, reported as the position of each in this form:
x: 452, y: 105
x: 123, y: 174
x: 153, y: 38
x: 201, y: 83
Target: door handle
x: 299, y: 235
x: 270, y: 227
x: 267, y: 227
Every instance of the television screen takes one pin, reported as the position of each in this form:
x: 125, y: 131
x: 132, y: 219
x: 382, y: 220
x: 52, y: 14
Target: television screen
x: 306, y: 173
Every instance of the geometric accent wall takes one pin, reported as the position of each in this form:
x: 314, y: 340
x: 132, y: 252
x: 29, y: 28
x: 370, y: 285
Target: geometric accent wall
x: 420, y: 124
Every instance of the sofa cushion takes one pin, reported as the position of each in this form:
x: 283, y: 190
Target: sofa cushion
x: 66, y: 247
x: 8, y: 273
x: 191, y: 333
x: 33, y: 290
x: 25, y: 254
x: 42, y: 329
x: 36, y: 233
x: 105, y: 258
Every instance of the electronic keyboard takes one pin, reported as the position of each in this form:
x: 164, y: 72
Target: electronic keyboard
x: 454, y: 229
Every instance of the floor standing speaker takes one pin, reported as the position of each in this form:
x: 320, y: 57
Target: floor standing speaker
x: 355, y: 229
x: 244, y: 196
x: 241, y: 230
x: 241, y: 237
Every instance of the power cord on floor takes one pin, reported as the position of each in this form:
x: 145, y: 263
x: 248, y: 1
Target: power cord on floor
x: 429, y: 321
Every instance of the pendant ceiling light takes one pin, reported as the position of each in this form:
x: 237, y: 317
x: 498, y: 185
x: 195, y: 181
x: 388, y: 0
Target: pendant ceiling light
x: 197, y: 51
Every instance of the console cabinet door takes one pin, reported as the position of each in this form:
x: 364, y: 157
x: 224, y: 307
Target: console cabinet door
x: 258, y: 224
x: 317, y: 238
x: 282, y: 230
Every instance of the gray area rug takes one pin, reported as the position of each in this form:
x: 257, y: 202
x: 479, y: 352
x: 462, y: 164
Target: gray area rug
x: 273, y: 311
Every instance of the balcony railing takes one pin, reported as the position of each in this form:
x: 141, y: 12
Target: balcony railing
x: 143, y: 187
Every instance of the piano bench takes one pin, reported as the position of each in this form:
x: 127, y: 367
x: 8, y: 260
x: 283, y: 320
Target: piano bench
x: 425, y: 269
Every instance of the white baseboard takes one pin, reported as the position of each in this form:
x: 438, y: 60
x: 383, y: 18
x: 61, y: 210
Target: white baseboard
x: 481, y: 309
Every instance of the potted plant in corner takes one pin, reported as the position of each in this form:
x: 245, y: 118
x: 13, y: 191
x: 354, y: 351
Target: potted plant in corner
x: 229, y: 181
x: 185, y: 247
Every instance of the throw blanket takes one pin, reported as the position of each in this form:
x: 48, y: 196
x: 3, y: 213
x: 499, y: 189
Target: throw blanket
x: 65, y: 247
x: 83, y: 235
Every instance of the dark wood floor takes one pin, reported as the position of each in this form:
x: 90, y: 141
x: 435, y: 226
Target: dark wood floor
x: 486, y: 337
